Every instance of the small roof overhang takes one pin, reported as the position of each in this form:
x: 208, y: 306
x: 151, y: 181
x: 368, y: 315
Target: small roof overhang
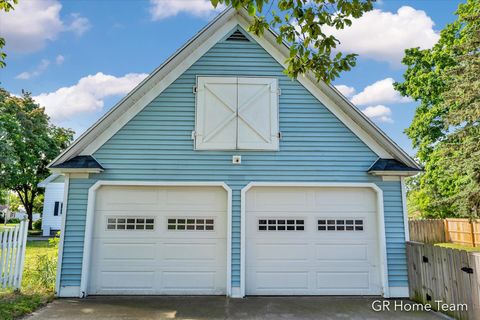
x: 50, y: 178
x: 78, y: 164
x: 392, y: 167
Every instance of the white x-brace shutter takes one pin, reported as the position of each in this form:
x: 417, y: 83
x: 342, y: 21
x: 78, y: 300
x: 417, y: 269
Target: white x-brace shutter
x: 236, y: 113
x: 257, y: 111
x: 216, y: 114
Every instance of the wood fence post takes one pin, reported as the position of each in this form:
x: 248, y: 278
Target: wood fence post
x: 472, y: 233
x: 447, y: 234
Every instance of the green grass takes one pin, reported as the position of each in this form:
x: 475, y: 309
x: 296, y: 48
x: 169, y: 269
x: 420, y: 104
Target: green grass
x: 458, y: 246
x: 37, y: 284
x: 35, y: 233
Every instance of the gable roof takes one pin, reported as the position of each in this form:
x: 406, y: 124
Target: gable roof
x: 102, y: 130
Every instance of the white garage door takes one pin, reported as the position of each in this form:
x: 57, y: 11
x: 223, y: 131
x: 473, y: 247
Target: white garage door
x: 159, y: 240
x: 311, y: 241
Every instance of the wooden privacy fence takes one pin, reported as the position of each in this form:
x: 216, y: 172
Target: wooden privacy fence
x: 427, y: 231
x: 461, y: 231
x: 13, y: 241
x: 444, y: 274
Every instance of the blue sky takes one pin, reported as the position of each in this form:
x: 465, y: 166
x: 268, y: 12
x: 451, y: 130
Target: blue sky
x: 78, y: 58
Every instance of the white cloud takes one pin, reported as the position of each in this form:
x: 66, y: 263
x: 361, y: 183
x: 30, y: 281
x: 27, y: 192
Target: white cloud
x: 345, y: 90
x: 79, y: 24
x: 59, y: 59
x: 379, y: 92
x: 379, y: 113
x: 383, y: 36
x: 161, y: 9
x: 87, y: 95
x: 42, y: 66
x: 33, y: 23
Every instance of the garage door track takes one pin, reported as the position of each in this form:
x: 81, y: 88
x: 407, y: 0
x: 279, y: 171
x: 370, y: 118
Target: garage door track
x: 212, y: 308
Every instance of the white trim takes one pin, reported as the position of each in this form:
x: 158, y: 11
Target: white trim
x: 381, y: 223
x: 50, y: 178
x: 390, y: 178
x: 75, y: 170
x: 393, y: 173
x: 405, y: 211
x: 399, y: 292
x: 69, y: 292
x: 150, y: 88
x: 87, y: 246
x: 79, y: 175
x: 163, y: 76
x: 62, y: 236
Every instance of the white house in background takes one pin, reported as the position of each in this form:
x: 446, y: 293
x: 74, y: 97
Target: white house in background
x: 53, y: 203
x: 22, y: 214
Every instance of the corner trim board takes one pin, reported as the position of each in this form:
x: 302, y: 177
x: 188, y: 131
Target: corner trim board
x: 404, y: 207
x: 83, y: 292
x: 399, y: 292
x: 380, y: 215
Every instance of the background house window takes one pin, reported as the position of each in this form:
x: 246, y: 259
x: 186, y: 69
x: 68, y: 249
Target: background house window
x: 57, y: 209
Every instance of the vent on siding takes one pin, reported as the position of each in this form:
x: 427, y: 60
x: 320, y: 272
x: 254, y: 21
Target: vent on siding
x: 237, y: 36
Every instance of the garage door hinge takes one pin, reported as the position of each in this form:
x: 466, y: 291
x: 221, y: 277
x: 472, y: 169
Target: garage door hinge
x: 195, y: 89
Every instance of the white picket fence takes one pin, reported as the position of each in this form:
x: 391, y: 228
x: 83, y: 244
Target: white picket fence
x: 13, y: 241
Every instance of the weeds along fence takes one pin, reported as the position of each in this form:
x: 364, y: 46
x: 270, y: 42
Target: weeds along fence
x: 13, y: 241
x: 461, y: 231
x: 444, y: 274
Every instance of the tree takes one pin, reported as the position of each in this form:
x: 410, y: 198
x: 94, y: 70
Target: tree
x: 446, y: 128
x: 5, y: 5
x: 30, y: 142
x: 304, y: 25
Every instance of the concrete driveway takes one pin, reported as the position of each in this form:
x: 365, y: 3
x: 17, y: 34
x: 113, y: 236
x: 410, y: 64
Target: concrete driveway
x: 143, y: 308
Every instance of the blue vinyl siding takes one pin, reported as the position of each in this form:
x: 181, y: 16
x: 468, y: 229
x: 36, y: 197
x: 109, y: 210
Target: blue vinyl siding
x: 156, y: 145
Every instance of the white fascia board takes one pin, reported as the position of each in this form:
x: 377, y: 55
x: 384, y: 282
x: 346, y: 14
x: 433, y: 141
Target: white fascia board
x: 340, y: 106
x: 75, y: 170
x: 393, y: 173
x: 149, y: 88
x: 168, y: 72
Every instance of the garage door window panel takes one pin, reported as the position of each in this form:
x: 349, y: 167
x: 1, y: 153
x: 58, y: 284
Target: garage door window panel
x: 130, y: 223
x: 281, y: 224
x: 344, y: 224
x: 190, y: 224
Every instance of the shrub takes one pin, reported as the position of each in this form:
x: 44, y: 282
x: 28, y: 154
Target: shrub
x: 37, y: 225
x: 14, y: 220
